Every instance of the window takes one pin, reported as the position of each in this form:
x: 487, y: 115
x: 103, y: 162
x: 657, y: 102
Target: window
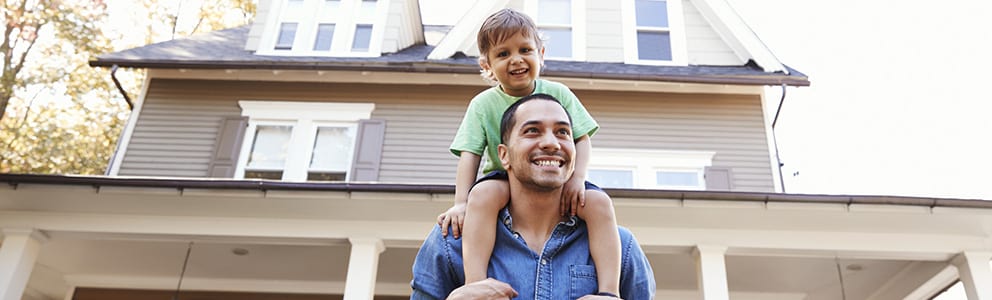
x: 653, y: 32
x: 342, y: 28
x: 325, y: 33
x: 300, y: 141
x: 648, y: 169
x: 562, y: 24
x: 287, y: 33
x: 363, y: 33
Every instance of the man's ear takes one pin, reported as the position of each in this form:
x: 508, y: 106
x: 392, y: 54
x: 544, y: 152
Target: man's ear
x: 504, y: 156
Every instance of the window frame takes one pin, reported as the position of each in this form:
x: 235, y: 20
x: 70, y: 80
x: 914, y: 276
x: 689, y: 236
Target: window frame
x: 578, y: 27
x: 310, y: 15
x: 646, y: 163
x: 305, y: 117
x: 676, y: 33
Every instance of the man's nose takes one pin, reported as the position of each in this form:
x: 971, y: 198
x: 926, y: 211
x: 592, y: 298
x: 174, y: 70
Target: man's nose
x: 549, y: 142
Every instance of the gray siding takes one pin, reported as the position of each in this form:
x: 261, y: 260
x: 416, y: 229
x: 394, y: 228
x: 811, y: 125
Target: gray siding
x: 604, y: 31
x: 178, y: 124
x: 180, y: 119
x: 704, y: 45
x: 730, y: 125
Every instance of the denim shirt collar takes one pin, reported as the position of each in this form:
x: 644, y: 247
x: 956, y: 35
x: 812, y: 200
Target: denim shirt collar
x: 507, y: 219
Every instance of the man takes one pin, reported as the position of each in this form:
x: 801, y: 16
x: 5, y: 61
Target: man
x: 538, y: 254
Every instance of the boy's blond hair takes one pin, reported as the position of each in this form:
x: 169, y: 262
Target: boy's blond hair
x: 500, y: 26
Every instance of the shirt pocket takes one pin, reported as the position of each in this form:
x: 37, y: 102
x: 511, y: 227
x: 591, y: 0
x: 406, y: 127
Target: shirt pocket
x: 581, y: 281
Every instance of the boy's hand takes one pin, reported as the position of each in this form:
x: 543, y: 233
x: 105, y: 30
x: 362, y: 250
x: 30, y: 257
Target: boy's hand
x: 573, y: 195
x: 455, y: 216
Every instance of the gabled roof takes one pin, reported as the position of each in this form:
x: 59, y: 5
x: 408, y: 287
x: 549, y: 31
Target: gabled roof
x: 224, y: 49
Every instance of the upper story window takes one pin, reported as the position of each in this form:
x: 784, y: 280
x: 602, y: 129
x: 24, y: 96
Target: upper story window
x: 649, y: 169
x: 348, y: 28
x: 300, y: 141
x: 562, y: 25
x: 653, y: 32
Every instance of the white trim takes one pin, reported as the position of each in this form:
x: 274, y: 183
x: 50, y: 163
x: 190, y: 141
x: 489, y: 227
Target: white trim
x: 711, y: 272
x: 305, y: 118
x: 769, y: 109
x: 132, y: 121
x: 308, y: 21
x: 646, y: 163
x: 676, y: 31
x: 731, y: 27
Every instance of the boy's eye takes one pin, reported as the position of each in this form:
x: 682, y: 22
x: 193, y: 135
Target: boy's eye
x: 502, y: 53
x: 525, y: 50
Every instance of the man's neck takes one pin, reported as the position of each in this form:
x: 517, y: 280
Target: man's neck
x: 535, y: 215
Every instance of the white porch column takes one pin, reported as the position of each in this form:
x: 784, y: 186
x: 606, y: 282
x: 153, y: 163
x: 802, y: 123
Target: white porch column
x: 17, y: 255
x: 711, y: 272
x: 975, y: 273
x: 362, y: 268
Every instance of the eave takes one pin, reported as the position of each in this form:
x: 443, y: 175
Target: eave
x: 13, y: 180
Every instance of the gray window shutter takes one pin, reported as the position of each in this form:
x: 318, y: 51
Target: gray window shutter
x: 717, y: 179
x: 368, y: 150
x: 229, y: 139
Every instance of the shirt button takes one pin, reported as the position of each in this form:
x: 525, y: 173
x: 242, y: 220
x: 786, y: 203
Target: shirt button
x: 516, y: 235
x: 544, y: 261
x: 506, y: 222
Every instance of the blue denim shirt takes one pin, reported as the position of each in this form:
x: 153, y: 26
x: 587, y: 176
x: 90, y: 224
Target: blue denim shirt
x: 564, y: 269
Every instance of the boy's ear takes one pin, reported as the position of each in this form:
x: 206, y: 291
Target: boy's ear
x: 504, y: 156
x: 484, y: 63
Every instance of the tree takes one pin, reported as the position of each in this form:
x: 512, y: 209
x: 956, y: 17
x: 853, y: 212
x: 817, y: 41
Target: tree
x: 64, y: 116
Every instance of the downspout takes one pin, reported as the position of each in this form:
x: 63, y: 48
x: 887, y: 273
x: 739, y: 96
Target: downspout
x: 778, y: 158
x: 130, y: 106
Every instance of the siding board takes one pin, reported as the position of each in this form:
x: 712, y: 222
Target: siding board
x: 422, y: 120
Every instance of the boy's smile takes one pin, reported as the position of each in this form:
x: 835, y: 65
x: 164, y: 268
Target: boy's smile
x: 516, y: 63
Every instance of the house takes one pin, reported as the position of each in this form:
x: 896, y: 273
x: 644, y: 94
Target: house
x: 305, y: 157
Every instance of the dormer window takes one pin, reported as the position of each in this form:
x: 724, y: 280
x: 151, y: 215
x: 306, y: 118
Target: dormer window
x: 342, y: 28
x: 562, y: 25
x: 653, y: 32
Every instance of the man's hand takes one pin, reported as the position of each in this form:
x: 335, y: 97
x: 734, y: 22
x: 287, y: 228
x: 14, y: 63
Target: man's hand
x: 484, y: 289
x: 455, y: 216
x: 573, y: 195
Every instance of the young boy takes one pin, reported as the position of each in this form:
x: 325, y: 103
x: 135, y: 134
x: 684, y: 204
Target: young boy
x: 512, y: 54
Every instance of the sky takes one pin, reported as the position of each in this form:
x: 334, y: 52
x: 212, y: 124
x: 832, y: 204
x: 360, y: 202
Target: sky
x: 897, y: 106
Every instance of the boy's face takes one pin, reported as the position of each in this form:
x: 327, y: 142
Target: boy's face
x: 516, y: 63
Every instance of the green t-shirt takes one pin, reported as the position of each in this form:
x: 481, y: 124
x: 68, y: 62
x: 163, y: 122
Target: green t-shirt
x: 480, y: 128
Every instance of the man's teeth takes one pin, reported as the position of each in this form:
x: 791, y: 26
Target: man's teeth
x: 546, y: 163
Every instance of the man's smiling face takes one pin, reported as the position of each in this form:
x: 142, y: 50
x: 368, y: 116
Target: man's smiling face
x: 539, y: 149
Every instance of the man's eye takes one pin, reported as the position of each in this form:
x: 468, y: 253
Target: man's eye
x: 564, y: 132
x: 530, y: 130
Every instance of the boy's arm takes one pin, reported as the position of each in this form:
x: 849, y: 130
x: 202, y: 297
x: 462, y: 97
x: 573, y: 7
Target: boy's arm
x: 468, y: 167
x: 574, y: 194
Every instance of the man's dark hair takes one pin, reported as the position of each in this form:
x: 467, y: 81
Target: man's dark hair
x: 509, y: 116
